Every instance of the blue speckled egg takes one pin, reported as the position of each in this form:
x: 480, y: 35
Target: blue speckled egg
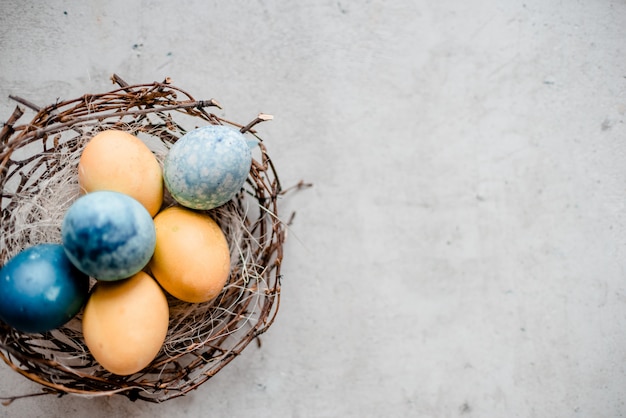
x: 40, y: 289
x: 207, y: 167
x: 108, y: 235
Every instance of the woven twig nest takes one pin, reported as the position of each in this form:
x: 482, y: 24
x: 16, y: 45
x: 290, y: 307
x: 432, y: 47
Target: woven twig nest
x: 38, y: 162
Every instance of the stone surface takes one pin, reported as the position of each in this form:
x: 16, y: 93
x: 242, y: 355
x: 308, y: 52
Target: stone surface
x: 462, y: 250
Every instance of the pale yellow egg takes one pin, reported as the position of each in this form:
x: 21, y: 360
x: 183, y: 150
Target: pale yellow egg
x: 191, y: 260
x: 118, y: 161
x: 125, y: 323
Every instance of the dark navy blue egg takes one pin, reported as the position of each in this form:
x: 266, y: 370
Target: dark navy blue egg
x: 40, y: 289
x: 108, y: 235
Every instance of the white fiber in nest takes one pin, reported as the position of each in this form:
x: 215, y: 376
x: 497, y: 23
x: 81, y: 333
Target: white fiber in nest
x: 38, y: 212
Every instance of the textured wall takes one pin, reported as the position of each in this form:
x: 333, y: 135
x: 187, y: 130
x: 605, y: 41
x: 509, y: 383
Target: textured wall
x: 462, y: 251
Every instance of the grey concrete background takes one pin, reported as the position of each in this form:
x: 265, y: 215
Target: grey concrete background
x: 462, y: 252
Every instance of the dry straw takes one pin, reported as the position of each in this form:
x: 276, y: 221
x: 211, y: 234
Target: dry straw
x: 38, y: 180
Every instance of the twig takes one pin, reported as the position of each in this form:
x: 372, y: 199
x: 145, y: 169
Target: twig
x: 7, y: 129
x: 116, y: 79
x: 68, y: 120
x: 25, y: 103
x: 6, y: 401
x: 261, y: 118
x: 300, y: 185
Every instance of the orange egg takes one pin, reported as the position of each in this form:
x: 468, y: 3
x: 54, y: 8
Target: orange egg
x: 191, y: 260
x: 118, y: 161
x: 125, y: 323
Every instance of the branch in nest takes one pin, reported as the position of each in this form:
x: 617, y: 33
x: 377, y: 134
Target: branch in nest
x: 116, y: 79
x: 299, y: 186
x: 25, y: 102
x: 7, y: 129
x: 261, y: 118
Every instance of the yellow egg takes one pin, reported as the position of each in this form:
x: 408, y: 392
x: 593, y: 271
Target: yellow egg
x: 125, y: 323
x: 191, y: 260
x: 118, y: 161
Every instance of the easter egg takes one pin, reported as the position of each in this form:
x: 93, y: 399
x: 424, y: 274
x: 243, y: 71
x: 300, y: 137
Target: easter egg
x: 108, y: 235
x: 207, y: 167
x: 125, y: 323
x: 191, y: 260
x: 40, y: 289
x: 119, y: 161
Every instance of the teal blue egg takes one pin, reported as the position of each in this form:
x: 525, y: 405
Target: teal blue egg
x: 40, y: 289
x: 207, y: 167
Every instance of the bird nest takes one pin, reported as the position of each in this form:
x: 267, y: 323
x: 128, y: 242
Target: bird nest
x: 38, y: 179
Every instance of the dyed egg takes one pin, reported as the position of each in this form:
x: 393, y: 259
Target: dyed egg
x: 207, y: 167
x: 108, y: 235
x: 40, y: 289
x: 191, y: 260
x: 118, y: 161
x: 125, y: 323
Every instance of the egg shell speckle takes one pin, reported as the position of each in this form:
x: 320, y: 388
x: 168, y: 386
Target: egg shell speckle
x: 206, y: 167
x: 108, y: 235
